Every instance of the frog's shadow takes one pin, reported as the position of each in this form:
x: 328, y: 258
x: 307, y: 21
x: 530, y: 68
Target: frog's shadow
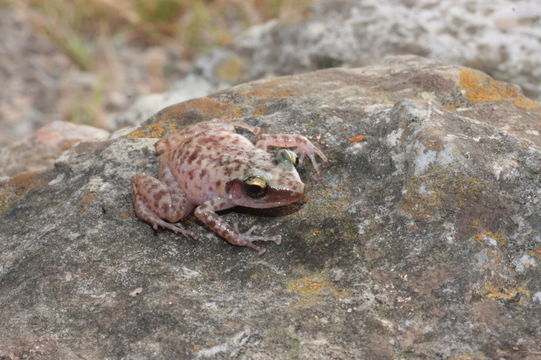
x: 269, y: 212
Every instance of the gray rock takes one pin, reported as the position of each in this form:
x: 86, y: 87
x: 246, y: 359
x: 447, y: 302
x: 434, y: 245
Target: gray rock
x: 422, y: 241
x: 39, y: 152
x: 501, y: 37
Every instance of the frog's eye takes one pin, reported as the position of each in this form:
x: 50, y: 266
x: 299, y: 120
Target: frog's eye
x: 286, y: 155
x: 255, y: 187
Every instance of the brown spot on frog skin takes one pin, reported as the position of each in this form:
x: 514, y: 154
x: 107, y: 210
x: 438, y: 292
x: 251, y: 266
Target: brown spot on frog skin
x: 191, y: 157
x: 165, y: 207
x: 159, y: 195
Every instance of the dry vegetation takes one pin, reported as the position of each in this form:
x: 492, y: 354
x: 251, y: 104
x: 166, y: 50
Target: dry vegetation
x: 124, y: 48
x: 78, y: 26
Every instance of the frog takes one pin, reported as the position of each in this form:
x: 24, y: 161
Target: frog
x: 208, y: 167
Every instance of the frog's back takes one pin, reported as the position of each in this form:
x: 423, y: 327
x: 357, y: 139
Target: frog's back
x: 177, y: 138
x: 205, y: 162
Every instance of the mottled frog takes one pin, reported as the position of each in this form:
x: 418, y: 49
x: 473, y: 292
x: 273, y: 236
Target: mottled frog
x: 211, y: 167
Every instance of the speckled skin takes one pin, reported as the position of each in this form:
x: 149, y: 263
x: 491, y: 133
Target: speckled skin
x: 206, y: 166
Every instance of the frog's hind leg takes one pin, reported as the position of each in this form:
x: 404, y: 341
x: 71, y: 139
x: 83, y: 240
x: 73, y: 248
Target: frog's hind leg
x: 160, y: 203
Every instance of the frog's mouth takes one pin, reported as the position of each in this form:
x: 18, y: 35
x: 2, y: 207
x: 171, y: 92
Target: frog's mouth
x: 273, y: 197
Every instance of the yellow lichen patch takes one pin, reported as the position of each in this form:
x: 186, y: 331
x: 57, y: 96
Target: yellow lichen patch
x: 423, y: 195
x: 467, y: 190
x: 270, y: 93
x: 18, y: 186
x: 315, y: 233
x: 261, y: 110
x: 535, y: 253
x: 487, y: 235
x: 326, y: 200
x: 315, y: 285
x: 494, y: 291
x: 148, y: 131
x: 175, y: 116
x: 428, y: 193
x: 480, y: 87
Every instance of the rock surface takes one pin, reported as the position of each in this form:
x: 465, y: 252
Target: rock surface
x: 500, y: 37
x: 39, y: 152
x: 422, y: 241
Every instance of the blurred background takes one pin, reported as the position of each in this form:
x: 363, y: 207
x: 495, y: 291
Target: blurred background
x: 112, y: 63
x: 83, y: 61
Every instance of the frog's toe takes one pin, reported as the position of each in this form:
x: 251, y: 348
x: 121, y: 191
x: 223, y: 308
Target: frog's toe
x: 246, y: 239
x: 259, y: 251
x: 275, y: 239
x: 177, y: 228
x: 181, y: 230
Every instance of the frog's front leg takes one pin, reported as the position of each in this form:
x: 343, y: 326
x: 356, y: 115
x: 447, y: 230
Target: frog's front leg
x: 206, y: 212
x: 304, y: 147
x: 155, y: 201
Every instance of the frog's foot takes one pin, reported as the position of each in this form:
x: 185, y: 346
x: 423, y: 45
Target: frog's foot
x: 177, y: 227
x: 311, y: 151
x: 303, y: 148
x: 246, y: 239
x: 149, y: 217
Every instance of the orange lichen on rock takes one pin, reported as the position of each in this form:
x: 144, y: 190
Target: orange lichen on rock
x: 357, y: 138
x: 269, y: 83
x: 271, y: 93
x: 480, y: 87
x: 87, y: 199
x: 535, y: 254
x: 451, y: 107
x: 496, y: 292
x: 18, y: 186
x: 174, y: 117
x: 467, y: 190
x: 261, y: 110
x: 126, y: 214
x: 315, y: 285
x: 148, y: 131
